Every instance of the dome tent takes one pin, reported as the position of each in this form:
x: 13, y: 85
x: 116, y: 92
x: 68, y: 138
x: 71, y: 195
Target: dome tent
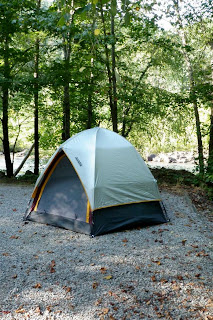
x: 96, y: 182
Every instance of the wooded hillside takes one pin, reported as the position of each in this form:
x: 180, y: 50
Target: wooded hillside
x: 141, y: 68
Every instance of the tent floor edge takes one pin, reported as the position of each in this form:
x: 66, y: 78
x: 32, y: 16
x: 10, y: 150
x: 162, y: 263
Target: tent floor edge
x: 127, y: 216
x: 58, y: 221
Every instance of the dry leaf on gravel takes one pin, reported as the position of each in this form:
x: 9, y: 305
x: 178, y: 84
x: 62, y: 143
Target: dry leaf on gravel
x: 103, y: 270
x: 20, y: 310
x: 105, y: 310
x: 5, y: 254
x: 153, y: 278
x: 108, y: 277
x: 37, y: 286
x: 95, y: 285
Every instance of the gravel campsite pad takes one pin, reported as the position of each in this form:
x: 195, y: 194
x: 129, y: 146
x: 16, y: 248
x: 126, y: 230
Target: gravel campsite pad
x: 162, y: 271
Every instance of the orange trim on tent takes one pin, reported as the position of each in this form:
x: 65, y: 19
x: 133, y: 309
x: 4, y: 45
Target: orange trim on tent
x: 88, y: 212
x: 34, y: 192
x: 46, y: 180
x: 123, y: 204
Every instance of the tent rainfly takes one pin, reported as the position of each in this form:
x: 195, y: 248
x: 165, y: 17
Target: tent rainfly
x: 95, y: 183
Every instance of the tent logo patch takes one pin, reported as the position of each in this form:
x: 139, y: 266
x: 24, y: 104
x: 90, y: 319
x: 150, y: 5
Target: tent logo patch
x: 79, y: 162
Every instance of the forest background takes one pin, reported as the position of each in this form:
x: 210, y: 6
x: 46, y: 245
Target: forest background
x: 141, y: 68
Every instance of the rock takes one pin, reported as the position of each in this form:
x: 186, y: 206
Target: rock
x: 172, y: 160
x: 151, y: 157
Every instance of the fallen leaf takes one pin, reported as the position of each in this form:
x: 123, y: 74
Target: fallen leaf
x: 108, y: 277
x: 14, y: 237
x: 52, y: 263
x: 179, y: 277
x: 164, y: 281
x: 157, y: 261
x: 125, y: 240
x: 95, y: 285
x: 183, y: 242
x: 49, y: 308
x: 105, y: 310
x: 153, y: 278
x: 5, y: 254
x: 67, y: 289
x: 137, y: 267
x: 98, y: 302
x: 37, y: 286
x: 20, y: 310
x: 103, y: 270
x: 197, y: 275
x: 14, y: 276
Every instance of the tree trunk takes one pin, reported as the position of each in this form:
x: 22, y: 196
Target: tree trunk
x: 210, y: 158
x: 66, y: 112
x: 66, y: 89
x: 114, y: 111
x: 90, y: 91
x: 109, y: 73
x: 24, y: 160
x: 5, y: 105
x: 192, y: 89
x: 36, y: 93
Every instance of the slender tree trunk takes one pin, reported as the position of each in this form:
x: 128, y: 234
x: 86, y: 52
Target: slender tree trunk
x: 210, y: 158
x: 109, y: 73
x: 5, y: 105
x: 90, y: 109
x: 114, y: 86
x: 24, y: 160
x: 192, y: 89
x: 66, y: 112
x: 36, y: 102
x: 66, y: 89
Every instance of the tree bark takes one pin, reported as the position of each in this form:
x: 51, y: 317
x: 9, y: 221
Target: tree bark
x: 90, y: 108
x: 114, y: 111
x: 192, y: 89
x: 36, y: 102
x: 66, y: 89
x: 24, y: 160
x: 5, y: 105
x: 210, y: 157
x: 109, y: 73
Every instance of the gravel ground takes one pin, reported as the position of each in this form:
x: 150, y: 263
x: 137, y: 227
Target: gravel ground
x: 162, y: 271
